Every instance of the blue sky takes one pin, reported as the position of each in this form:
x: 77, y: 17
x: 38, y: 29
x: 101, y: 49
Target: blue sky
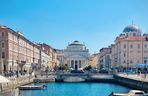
x: 57, y: 22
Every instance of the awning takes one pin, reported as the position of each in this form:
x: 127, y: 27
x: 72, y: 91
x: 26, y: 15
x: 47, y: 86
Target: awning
x: 141, y: 65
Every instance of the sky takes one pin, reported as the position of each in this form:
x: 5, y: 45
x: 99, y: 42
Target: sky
x: 58, y: 22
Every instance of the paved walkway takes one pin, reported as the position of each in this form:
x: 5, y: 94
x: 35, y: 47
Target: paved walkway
x: 140, y: 77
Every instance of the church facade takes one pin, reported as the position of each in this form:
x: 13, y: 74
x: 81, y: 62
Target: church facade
x: 76, y: 55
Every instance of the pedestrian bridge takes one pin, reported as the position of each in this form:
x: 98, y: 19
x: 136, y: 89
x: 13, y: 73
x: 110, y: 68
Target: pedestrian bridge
x: 77, y: 77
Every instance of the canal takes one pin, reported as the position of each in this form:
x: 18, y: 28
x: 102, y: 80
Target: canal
x: 76, y: 89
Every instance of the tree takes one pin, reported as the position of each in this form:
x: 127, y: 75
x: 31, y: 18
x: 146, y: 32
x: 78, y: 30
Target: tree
x: 88, y: 68
x: 64, y: 67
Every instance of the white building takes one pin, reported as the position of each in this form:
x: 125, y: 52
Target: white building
x: 45, y: 58
x: 105, y: 58
x: 76, y: 55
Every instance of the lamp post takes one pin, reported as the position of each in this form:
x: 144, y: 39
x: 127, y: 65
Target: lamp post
x: 109, y: 67
x: 17, y: 72
x: 145, y: 68
x: 127, y: 67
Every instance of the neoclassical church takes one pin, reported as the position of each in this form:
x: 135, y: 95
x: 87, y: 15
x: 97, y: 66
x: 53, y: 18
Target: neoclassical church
x: 76, y: 55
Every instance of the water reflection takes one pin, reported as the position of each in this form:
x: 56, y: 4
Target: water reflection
x: 77, y: 89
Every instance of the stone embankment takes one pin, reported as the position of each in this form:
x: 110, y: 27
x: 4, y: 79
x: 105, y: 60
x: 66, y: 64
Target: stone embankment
x: 122, y: 79
x: 132, y: 82
x: 15, y: 83
x: 43, y: 80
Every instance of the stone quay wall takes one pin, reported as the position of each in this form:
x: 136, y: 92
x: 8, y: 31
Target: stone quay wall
x: 132, y: 83
x: 15, y: 83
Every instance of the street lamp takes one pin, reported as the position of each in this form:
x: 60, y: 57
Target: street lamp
x: 145, y: 68
x: 127, y: 67
x: 17, y: 72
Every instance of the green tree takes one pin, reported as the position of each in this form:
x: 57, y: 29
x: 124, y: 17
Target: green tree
x: 88, y: 68
x: 64, y: 67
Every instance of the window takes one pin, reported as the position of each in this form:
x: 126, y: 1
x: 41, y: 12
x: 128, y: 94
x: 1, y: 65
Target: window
x: 124, y: 46
x: 131, y: 51
x: 3, y: 34
x: 3, y: 45
x: 131, y: 46
x: 124, y: 61
x: 134, y: 34
x: 145, y: 51
x: 131, y: 61
x: 145, y: 46
x: 146, y: 39
x: 138, y: 46
x: 3, y: 54
x: 124, y: 55
x: 138, y: 51
x: 137, y: 61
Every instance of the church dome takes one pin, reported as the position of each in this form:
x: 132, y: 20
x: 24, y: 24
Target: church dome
x: 76, y: 43
x: 132, y: 28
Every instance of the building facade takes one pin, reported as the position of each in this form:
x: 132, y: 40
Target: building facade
x: 105, y: 58
x: 60, y: 56
x: 45, y: 58
x: 76, y: 55
x: 53, y: 56
x: 16, y: 52
x: 130, y: 48
x: 94, y: 60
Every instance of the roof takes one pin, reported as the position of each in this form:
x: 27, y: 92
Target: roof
x: 132, y: 28
x: 76, y: 43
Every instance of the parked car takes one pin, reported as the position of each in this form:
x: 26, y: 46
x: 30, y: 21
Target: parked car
x: 77, y: 71
x: 129, y: 71
x: 94, y: 71
x: 103, y: 70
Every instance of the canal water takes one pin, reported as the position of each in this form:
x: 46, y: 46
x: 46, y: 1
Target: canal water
x: 76, y: 89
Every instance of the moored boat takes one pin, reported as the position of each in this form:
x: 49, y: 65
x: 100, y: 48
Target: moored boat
x: 32, y: 87
x: 131, y: 93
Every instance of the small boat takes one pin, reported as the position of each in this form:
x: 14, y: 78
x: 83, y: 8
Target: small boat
x: 131, y: 93
x: 118, y: 94
x: 32, y: 87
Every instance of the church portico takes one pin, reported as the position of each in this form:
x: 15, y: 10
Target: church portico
x: 75, y: 64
